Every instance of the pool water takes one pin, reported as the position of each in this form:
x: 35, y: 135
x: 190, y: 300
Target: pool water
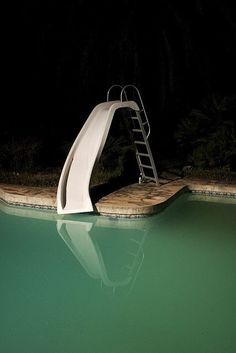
x: 90, y: 284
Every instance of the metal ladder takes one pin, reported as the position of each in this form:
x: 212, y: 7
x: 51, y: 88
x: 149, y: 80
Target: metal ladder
x: 140, y: 133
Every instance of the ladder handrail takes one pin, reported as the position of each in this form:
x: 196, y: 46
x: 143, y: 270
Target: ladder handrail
x: 142, y: 122
x: 109, y: 90
x: 123, y: 92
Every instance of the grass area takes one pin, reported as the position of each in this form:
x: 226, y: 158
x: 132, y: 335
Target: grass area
x: 100, y: 175
x: 217, y: 174
x: 42, y: 179
x: 50, y: 178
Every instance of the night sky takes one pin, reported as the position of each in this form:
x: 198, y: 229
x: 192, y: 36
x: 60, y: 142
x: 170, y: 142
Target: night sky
x: 63, y: 56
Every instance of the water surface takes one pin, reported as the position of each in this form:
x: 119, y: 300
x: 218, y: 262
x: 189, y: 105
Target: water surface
x: 90, y: 284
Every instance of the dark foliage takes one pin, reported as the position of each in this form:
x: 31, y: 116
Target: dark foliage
x: 206, y: 137
x: 63, y: 56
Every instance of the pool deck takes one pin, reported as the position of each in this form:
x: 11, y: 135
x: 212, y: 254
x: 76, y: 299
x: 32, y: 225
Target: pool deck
x: 135, y: 200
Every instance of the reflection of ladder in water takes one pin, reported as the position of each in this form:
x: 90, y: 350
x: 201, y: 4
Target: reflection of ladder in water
x: 136, y: 255
x: 137, y: 259
x: 132, y: 268
x: 140, y: 133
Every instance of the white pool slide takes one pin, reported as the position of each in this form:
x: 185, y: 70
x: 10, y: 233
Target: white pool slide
x: 73, y: 188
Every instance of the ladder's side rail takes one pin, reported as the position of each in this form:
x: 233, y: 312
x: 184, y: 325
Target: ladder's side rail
x: 123, y: 92
x: 149, y: 153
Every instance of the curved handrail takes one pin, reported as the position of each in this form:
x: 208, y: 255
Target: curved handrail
x: 123, y: 92
x: 109, y: 91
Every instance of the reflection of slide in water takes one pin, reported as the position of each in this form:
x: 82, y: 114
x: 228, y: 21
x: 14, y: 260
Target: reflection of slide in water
x: 115, y: 259
x: 76, y: 236
x: 108, y: 250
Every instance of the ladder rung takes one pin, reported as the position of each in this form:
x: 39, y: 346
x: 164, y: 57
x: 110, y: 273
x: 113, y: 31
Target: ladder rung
x: 140, y: 142
x: 137, y: 130
x: 143, y: 154
x: 137, y: 118
x: 146, y: 166
x: 148, y: 177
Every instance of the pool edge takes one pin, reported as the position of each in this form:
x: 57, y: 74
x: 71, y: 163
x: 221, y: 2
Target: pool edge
x: 132, y: 201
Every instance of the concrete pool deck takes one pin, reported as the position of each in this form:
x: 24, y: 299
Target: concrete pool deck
x: 135, y: 200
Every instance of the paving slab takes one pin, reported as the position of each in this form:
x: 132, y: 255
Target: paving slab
x: 28, y: 195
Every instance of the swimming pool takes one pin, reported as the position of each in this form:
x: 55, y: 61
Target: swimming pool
x: 90, y: 284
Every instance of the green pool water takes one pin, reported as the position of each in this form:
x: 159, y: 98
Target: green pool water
x: 90, y: 284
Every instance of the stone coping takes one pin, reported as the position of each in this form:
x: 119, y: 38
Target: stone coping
x: 135, y: 200
x: 145, y: 199
x: 29, y: 195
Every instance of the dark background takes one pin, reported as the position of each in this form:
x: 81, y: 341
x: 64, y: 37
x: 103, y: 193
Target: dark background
x: 62, y: 57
